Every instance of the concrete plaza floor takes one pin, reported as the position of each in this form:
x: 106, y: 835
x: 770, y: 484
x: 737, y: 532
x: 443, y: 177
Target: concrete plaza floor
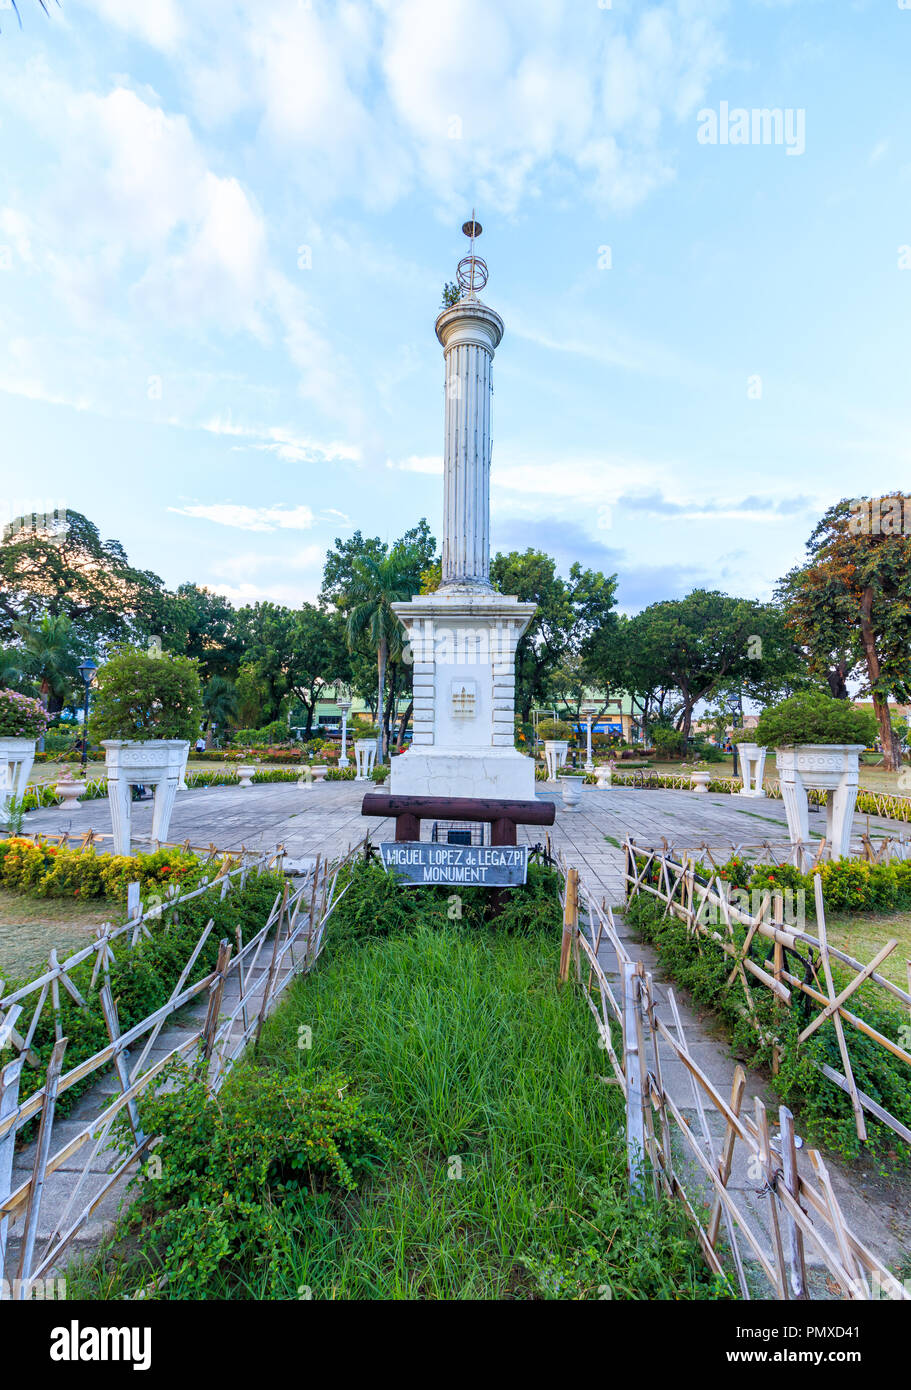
x: 325, y: 818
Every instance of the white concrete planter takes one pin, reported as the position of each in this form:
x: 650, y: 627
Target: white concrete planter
x: 830, y: 767
x: 319, y: 771
x: 555, y: 751
x: 365, y: 756
x: 245, y: 774
x: 70, y: 791
x: 156, y: 762
x: 604, y: 775
x: 17, y: 757
x: 751, y: 757
x: 572, y: 792
x: 700, y: 782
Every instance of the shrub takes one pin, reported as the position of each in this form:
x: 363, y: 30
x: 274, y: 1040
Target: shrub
x: 708, y: 752
x: 379, y: 774
x: 261, y: 738
x: 667, y: 740
x: 363, y: 729
x: 814, y: 718
x: 54, y: 871
x: 555, y: 729
x: 341, y: 774
x: 230, y: 1163
x: 21, y: 716
x: 824, y: 1107
x: 376, y: 905
x: 145, y: 697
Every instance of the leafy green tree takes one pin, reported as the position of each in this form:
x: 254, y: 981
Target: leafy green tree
x: 849, y: 606
x: 256, y: 705
x: 202, y: 624
x: 374, y: 586
x: 145, y: 697
x: 564, y: 632
x: 48, y: 655
x: 290, y: 654
x: 700, y: 645
x: 59, y: 565
x: 220, y: 705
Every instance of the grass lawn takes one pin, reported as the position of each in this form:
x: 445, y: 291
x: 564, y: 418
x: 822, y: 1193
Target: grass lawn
x: 863, y: 934
x: 30, y: 927
x: 505, y: 1173
x: 871, y: 778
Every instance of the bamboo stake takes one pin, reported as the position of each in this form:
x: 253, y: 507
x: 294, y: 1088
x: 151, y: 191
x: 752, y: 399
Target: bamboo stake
x: 771, y: 1177
x: 725, y: 1162
x: 796, y: 1261
x: 836, y: 1017
x: 632, y: 1069
x: 570, y: 922
x: 36, y: 1186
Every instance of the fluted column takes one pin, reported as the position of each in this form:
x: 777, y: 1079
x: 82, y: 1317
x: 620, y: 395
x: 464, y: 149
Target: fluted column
x: 470, y: 333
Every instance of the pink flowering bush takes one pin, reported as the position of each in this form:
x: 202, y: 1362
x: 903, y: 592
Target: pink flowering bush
x: 21, y: 716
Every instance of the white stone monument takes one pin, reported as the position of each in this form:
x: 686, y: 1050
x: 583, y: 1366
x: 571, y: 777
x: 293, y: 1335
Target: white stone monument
x: 463, y: 638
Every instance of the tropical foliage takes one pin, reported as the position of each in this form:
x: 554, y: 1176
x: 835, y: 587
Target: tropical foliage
x: 145, y: 697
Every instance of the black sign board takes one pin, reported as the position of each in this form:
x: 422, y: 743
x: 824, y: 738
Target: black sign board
x: 462, y: 866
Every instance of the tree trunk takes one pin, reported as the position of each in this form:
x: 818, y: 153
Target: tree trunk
x: 381, y: 653
x: 837, y: 678
x: 403, y: 724
x: 891, y: 751
x: 686, y: 722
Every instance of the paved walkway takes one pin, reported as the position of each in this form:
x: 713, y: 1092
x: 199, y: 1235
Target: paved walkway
x: 325, y: 818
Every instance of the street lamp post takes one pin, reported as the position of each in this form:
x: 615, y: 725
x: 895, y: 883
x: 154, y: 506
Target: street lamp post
x: 589, y: 712
x: 344, y: 706
x: 735, y: 705
x: 87, y: 671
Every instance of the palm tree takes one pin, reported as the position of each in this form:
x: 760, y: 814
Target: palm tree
x: 47, y: 656
x: 220, y: 703
x: 376, y: 585
x: 18, y: 15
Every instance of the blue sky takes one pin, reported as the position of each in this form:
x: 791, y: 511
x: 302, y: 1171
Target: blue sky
x: 224, y: 229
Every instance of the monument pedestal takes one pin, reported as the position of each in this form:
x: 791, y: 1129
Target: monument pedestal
x: 463, y: 643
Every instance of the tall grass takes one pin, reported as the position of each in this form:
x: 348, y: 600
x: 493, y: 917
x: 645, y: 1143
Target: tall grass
x: 507, y: 1170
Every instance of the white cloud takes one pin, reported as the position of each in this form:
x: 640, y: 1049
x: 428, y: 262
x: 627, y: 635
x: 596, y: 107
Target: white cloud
x: 455, y: 97
x: 276, y: 518
x: 285, y: 443
x: 156, y: 22
x: 428, y: 463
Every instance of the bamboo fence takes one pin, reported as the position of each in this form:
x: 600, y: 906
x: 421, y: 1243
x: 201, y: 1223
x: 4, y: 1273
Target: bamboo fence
x: 804, y: 1225
x: 239, y: 994
x: 801, y: 963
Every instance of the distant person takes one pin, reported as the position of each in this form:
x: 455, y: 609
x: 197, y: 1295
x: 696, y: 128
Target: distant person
x: 200, y: 744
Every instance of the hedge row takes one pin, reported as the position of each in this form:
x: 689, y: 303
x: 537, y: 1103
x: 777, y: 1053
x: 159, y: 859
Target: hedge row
x: 824, y: 1109
x: 56, y: 871
x: 848, y: 885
